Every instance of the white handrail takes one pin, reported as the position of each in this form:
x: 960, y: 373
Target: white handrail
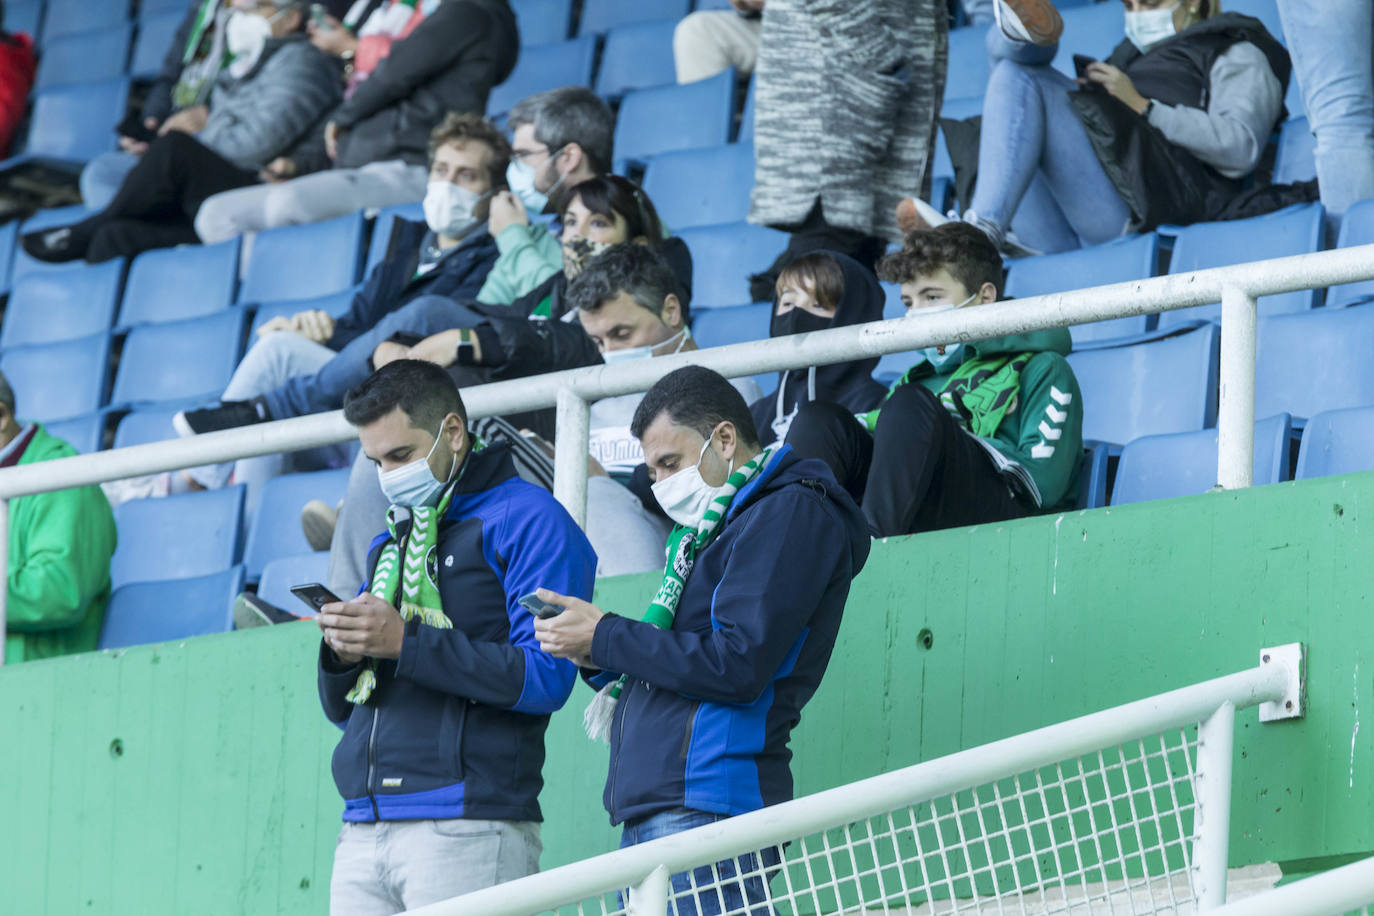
x: 1332, y: 893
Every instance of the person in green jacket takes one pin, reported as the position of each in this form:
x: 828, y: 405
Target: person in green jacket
x: 59, y: 551
x: 973, y: 433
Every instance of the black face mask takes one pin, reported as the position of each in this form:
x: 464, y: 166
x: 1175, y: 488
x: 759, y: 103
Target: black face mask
x: 797, y: 321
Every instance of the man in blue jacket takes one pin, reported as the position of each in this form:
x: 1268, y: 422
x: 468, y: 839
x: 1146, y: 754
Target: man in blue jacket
x: 699, y: 698
x: 433, y: 670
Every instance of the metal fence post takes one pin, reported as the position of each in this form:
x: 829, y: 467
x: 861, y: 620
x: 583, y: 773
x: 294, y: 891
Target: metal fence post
x: 4, y: 574
x: 650, y: 896
x: 1236, y: 412
x: 571, y: 441
x: 1212, y: 818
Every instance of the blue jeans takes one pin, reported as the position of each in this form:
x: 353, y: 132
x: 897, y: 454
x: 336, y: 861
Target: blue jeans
x: 1329, y: 41
x: 102, y: 176
x: 726, y: 897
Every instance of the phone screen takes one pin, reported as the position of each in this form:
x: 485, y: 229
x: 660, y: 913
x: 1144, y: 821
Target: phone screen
x: 540, y: 609
x: 315, y: 595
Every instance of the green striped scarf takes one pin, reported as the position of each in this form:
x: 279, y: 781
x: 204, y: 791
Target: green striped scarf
x: 982, y: 392
x: 683, y: 546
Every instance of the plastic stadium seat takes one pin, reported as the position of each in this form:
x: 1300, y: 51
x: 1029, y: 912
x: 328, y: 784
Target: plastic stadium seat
x: 718, y: 327
x: 381, y: 231
x: 713, y: 5
x: 636, y: 56
x: 968, y: 63
x: 701, y: 187
x: 1295, y: 159
x: 1313, y: 362
x: 84, y: 57
x: 298, y: 262
x: 1294, y: 230
x: 1092, y: 476
x: 179, y: 360
x: 22, y: 263
x: 148, y: 8
x: 150, y: 424
x: 1357, y: 228
x: 85, y: 434
x: 149, y: 612
x: 1119, y: 261
x: 76, y: 301
x: 602, y: 15
x: 567, y: 63
x: 9, y: 240
x: 689, y: 116
x: 275, y: 530
x: 542, y: 21
x: 1337, y: 442
x: 170, y: 284
x: 302, y: 569
x: 1164, y: 386
x: 893, y: 307
x: 1184, y: 464
x: 1094, y: 30
x: 335, y: 304
x: 24, y: 16
x: 156, y: 32
x: 723, y: 257
x: 59, y: 380
x: 74, y: 124
x: 64, y: 17
x: 173, y: 537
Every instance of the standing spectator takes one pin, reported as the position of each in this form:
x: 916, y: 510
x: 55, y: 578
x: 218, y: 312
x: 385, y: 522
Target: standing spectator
x: 60, y: 544
x: 709, y: 41
x: 16, y: 79
x: 377, y: 139
x: 699, y: 698
x: 433, y: 671
x: 1330, y: 42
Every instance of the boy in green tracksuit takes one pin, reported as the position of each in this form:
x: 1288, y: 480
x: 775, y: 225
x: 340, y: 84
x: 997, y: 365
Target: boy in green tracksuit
x: 59, y: 552
x: 973, y: 433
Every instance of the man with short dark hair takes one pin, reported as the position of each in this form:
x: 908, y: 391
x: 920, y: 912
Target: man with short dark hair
x: 699, y: 698
x: 433, y: 670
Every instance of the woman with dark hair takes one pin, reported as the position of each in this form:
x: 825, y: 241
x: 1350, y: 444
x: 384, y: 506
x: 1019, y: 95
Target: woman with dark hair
x: 16, y: 79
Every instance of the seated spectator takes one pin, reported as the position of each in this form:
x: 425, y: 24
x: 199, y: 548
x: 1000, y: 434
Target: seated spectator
x: 16, y: 79
x: 449, y: 255
x: 816, y: 291
x: 709, y: 41
x: 60, y: 544
x: 1164, y: 130
x: 255, y: 114
x: 977, y: 432
x: 376, y: 141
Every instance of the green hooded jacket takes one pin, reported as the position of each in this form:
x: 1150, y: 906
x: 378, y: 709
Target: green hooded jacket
x: 59, y: 574
x: 1043, y: 432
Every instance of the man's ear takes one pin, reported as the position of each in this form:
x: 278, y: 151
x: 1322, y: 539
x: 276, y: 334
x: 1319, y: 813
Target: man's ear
x: 572, y: 158
x: 457, y: 432
x: 729, y: 441
x: 672, y: 312
x: 987, y: 293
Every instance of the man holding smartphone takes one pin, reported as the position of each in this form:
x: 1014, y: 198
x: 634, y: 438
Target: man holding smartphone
x: 433, y: 671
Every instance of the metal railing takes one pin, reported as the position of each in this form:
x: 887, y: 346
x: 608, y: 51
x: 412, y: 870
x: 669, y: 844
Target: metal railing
x: 572, y: 391
x: 1347, y: 889
x: 1124, y: 810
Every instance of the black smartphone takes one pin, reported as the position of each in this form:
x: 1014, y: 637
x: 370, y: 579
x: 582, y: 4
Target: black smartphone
x: 133, y: 127
x: 541, y: 609
x: 315, y: 595
x: 1080, y: 67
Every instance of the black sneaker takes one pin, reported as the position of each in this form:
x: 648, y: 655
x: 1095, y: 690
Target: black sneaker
x: 228, y: 415
x: 54, y: 245
x: 251, y: 611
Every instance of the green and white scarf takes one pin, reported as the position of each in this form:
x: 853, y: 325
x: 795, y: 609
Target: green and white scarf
x: 683, y: 546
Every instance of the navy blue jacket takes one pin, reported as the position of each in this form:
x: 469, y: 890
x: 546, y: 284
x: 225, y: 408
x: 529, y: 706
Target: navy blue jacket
x: 393, y: 283
x: 455, y: 726
x: 704, y: 720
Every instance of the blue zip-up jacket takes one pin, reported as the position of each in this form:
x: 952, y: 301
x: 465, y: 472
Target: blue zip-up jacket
x: 704, y: 720
x: 455, y: 726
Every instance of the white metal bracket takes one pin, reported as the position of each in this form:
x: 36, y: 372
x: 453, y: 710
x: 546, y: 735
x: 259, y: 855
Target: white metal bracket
x: 1293, y: 703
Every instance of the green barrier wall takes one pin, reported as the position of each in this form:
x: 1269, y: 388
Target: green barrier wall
x: 193, y: 777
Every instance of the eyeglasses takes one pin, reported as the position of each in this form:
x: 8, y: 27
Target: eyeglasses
x: 521, y: 154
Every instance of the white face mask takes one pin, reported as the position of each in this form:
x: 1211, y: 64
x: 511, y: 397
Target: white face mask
x: 628, y: 353
x: 686, y: 496
x: 1147, y: 28
x: 449, y: 208
x: 954, y: 353
x: 413, y: 483
x: 245, y: 34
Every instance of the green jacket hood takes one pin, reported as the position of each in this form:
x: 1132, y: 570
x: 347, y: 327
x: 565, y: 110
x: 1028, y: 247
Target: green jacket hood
x: 1054, y: 340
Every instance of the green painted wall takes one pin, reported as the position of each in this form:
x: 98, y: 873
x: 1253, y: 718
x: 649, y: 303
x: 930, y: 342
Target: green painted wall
x: 193, y: 777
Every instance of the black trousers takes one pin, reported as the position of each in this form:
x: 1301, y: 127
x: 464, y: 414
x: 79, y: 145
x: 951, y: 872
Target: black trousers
x: 156, y: 205
x: 919, y: 471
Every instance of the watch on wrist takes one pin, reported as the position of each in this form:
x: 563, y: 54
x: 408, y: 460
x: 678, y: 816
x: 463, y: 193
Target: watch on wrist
x: 1149, y: 107
x: 465, y: 348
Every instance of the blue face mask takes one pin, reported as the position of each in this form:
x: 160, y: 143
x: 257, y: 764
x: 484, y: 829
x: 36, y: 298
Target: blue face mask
x: 954, y: 353
x: 413, y: 483
x: 520, y: 177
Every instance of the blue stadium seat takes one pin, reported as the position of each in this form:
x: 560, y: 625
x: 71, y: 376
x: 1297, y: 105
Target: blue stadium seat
x: 58, y: 381
x: 52, y: 305
x: 24, y: 16
x: 1294, y: 230
x: 150, y: 424
x: 381, y: 231
x: 636, y: 56
x: 332, y: 250
x: 1118, y: 261
x: 968, y: 63
x: 156, y: 31
x: 1184, y: 464
x: 73, y: 124
x: 64, y: 17
x: 170, y: 284
x: 723, y: 257
x: 275, y: 530
x: 602, y: 15
x: 84, y: 57
x: 1337, y: 442
x: 713, y: 5
x: 302, y: 569
x: 1092, y: 476
x: 1164, y: 386
x: 335, y: 304
x: 1357, y: 228
x: 566, y: 63
x: 9, y: 240
x: 689, y: 116
x: 173, y: 537
x: 1295, y: 159
x: 542, y: 21
x: 1093, y: 30
x: 147, y: 612
x: 22, y: 263
x: 701, y: 187
x: 1316, y: 361
x: 179, y: 360
x: 86, y: 434
x: 718, y: 327
x: 148, y: 8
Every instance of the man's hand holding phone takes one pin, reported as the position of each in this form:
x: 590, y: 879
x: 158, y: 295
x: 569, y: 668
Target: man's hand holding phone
x: 365, y: 626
